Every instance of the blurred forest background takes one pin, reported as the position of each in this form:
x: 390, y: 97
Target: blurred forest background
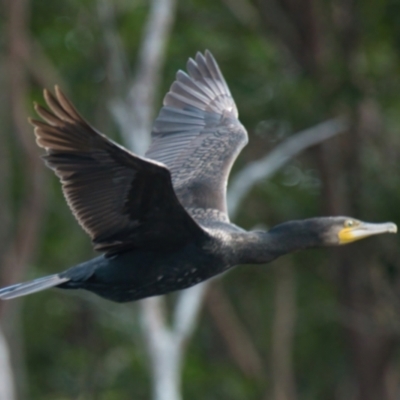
x: 322, y: 324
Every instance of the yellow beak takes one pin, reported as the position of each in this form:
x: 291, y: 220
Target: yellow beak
x: 363, y: 230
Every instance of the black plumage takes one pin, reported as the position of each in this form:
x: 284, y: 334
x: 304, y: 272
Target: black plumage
x: 161, y: 221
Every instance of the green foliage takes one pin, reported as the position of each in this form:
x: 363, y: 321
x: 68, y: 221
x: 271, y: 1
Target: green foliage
x: 80, y: 347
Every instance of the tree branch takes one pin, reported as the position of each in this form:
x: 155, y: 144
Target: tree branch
x: 135, y: 112
x: 117, y: 63
x: 42, y: 69
x: 282, y: 333
x: 265, y: 167
x: 236, y: 337
x: 167, y: 345
x: 23, y: 243
x: 245, y: 12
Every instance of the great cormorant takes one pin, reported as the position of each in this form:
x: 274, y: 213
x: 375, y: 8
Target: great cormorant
x: 161, y: 221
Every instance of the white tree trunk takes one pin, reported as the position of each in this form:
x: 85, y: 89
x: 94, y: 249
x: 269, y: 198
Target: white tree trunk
x: 7, y: 390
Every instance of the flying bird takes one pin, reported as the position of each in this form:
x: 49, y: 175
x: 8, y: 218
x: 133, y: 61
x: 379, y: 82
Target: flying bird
x: 161, y: 221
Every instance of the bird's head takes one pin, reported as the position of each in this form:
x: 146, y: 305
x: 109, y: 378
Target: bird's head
x: 344, y: 230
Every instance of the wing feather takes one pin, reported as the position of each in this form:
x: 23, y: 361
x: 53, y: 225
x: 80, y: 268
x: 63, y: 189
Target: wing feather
x: 197, y: 134
x: 121, y: 200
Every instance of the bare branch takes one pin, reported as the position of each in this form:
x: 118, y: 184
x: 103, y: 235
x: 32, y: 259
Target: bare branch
x: 283, y: 333
x: 262, y: 169
x: 117, y: 63
x: 42, y: 69
x: 6, y: 219
x: 245, y: 12
x: 164, y: 353
x: 134, y: 114
x: 187, y: 310
x: 167, y: 345
x: 23, y: 244
x: 236, y: 337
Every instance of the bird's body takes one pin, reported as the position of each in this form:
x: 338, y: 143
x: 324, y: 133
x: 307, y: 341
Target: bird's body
x: 134, y: 275
x: 162, y: 221
x: 138, y: 274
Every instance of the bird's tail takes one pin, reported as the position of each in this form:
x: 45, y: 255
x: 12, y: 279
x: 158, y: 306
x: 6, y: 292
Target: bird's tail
x: 22, y: 289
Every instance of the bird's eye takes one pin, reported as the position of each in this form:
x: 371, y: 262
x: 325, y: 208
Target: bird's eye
x: 349, y: 223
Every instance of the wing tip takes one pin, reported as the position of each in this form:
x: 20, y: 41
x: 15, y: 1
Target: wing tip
x: 46, y: 94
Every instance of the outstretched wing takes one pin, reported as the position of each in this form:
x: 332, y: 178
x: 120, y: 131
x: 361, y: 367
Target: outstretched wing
x: 121, y: 200
x: 197, y: 134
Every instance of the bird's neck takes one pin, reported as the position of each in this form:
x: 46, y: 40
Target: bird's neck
x: 261, y: 247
